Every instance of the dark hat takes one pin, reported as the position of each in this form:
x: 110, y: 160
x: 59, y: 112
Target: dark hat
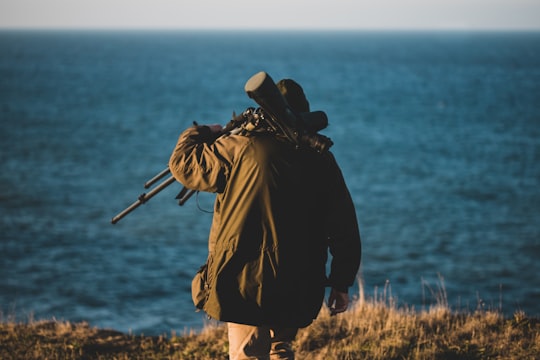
x: 294, y: 94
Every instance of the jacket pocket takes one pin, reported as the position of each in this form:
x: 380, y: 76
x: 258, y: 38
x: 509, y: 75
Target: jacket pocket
x: 199, y: 287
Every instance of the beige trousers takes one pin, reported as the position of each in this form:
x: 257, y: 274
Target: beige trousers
x: 260, y: 342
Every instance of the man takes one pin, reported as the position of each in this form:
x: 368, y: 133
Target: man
x: 279, y: 209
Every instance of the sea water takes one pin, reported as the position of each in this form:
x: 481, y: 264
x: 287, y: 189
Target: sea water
x: 437, y: 134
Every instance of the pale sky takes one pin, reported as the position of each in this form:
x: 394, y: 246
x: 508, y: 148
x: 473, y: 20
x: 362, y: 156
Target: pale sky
x: 272, y: 14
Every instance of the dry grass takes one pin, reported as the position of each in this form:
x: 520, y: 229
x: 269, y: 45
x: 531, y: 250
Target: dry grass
x: 378, y: 331
x: 372, y: 329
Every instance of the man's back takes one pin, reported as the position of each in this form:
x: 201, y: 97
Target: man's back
x: 275, y: 209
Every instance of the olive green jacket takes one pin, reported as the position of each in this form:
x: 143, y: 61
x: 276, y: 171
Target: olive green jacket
x: 277, y: 212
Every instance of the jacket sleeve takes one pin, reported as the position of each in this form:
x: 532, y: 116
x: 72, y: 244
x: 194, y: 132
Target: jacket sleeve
x: 196, y: 163
x: 343, y: 232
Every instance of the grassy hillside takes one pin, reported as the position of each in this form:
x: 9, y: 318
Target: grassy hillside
x: 372, y: 329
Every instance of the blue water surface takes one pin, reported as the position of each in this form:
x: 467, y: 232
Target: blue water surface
x: 437, y: 134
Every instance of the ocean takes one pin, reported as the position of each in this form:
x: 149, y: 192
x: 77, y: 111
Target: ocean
x: 437, y: 134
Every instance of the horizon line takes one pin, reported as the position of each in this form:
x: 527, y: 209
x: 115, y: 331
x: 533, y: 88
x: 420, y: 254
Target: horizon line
x: 268, y: 29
